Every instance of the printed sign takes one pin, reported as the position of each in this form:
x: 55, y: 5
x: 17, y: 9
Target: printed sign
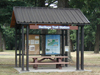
x: 67, y: 48
x: 52, y: 44
x: 54, y: 27
x: 34, y: 47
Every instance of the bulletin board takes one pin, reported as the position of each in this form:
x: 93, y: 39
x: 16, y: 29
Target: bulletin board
x: 34, y: 44
x: 52, y: 45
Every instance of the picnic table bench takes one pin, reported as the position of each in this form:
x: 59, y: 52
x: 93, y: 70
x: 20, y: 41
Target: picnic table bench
x: 55, y: 60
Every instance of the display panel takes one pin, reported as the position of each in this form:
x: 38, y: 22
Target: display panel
x: 52, y: 45
x: 34, y: 44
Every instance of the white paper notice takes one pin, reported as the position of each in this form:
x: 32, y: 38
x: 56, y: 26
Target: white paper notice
x: 67, y: 48
x: 36, y: 37
x: 36, y: 41
x: 32, y: 47
x: 29, y: 41
x: 32, y: 41
x: 25, y: 41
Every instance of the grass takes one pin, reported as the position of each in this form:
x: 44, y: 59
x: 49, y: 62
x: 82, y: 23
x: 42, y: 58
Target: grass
x: 91, y: 61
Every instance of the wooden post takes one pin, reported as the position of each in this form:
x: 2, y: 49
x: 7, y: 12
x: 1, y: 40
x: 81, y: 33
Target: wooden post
x: 27, y: 48
x: 22, y: 47
x: 19, y: 46
x: 82, y: 47
x: 62, y: 42
x: 77, y: 50
x: 66, y: 44
x: 15, y: 45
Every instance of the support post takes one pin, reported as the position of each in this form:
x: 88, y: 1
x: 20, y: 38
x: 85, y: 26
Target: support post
x: 19, y: 47
x: 62, y: 42
x: 66, y: 44
x: 82, y: 47
x: 27, y: 48
x: 22, y: 47
x: 77, y: 49
x: 15, y: 46
x: 66, y: 41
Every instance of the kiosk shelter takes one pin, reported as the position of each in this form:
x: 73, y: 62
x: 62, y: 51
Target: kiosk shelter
x: 47, y: 18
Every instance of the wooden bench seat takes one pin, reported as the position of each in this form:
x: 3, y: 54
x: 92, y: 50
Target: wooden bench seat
x: 44, y: 63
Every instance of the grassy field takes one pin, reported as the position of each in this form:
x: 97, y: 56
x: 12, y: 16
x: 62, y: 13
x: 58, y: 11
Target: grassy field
x: 91, y: 61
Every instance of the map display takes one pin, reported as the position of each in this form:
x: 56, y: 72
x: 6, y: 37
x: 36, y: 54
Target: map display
x: 52, y: 44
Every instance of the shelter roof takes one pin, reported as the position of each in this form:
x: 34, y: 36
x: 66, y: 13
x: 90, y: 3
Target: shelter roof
x: 42, y: 15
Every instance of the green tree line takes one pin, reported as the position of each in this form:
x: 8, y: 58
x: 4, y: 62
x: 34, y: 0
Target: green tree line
x: 91, y: 9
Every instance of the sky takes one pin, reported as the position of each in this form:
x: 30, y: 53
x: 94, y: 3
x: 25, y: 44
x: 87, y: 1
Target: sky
x: 53, y: 5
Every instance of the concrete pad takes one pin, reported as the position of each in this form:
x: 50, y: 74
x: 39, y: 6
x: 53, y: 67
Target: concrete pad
x: 43, y: 69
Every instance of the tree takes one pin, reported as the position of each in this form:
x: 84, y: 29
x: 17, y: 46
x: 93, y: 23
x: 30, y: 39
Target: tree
x: 7, y: 34
x: 91, y: 8
x: 65, y: 4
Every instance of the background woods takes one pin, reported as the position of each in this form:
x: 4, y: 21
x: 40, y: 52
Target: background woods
x: 91, y: 8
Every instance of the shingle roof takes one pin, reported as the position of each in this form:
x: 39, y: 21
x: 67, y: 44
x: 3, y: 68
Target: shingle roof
x: 39, y: 15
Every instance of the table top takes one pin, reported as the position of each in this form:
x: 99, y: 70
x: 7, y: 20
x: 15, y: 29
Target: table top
x: 48, y: 56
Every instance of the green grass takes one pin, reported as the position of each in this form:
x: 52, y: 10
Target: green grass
x: 91, y: 61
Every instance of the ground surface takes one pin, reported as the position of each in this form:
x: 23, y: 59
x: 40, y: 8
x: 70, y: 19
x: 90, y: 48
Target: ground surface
x: 91, y: 61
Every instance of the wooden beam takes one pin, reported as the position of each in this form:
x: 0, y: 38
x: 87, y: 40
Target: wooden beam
x: 47, y: 24
x: 13, y: 20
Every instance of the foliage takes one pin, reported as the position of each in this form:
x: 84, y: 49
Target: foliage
x: 91, y: 9
x: 52, y: 31
x: 6, y: 8
x: 9, y: 37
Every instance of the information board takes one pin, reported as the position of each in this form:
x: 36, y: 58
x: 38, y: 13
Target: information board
x: 52, y: 45
x: 34, y: 46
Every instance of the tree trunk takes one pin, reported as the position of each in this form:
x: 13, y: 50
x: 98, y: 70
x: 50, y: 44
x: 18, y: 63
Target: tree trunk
x: 4, y: 46
x: 71, y: 45
x: 1, y: 43
x: 96, y: 49
x: 41, y: 3
x: 43, y: 41
x: 63, y: 3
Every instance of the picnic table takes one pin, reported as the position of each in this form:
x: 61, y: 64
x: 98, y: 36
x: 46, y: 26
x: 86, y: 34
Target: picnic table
x: 37, y: 60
